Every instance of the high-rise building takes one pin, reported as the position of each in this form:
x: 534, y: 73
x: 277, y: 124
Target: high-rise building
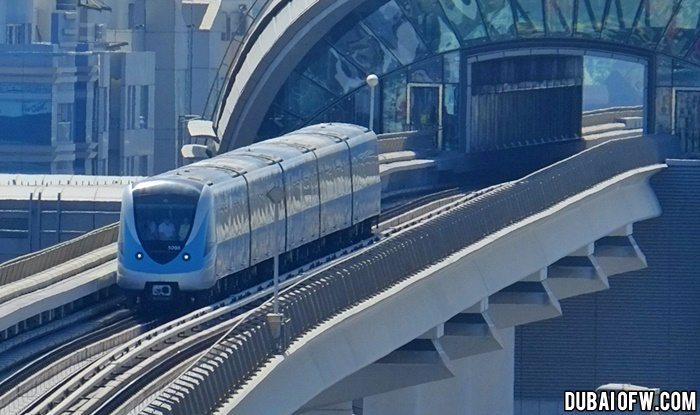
x: 72, y: 100
x: 107, y: 86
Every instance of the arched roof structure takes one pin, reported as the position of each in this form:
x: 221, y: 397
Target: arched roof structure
x: 306, y: 61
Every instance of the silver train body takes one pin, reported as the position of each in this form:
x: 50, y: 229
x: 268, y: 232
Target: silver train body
x: 184, y: 230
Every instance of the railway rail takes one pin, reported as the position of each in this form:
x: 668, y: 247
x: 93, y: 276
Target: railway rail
x: 138, y: 369
x: 130, y: 366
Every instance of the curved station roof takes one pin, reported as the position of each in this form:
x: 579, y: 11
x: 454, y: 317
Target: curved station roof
x: 424, y: 37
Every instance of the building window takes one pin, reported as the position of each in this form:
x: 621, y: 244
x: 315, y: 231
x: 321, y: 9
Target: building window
x: 104, y: 105
x: 132, y: 16
x: 25, y: 113
x: 242, y: 20
x: 16, y: 34
x: 131, y: 107
x: 143, y: 108
x: 126, y: 109
x: 64, y: 118
x: 226, y: 35
x: 65, y: 113
x: 143, y: 165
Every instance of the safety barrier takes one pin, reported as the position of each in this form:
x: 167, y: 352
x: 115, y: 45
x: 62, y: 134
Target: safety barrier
x: 35, y: 262
x: 225, y: 368
x: 406, y: 140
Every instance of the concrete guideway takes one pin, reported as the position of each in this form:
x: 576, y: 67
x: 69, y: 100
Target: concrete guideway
x: 481, y: 287
x: 42, y: 269
x: 610, y: 179
x: 30, y: 309
x: 547, y: 271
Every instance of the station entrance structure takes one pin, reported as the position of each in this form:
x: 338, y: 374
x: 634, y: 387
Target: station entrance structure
x: 311, y: 64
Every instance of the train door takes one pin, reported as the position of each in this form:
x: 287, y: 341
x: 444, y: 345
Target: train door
x: 686, y: 118
x: 424, y: 108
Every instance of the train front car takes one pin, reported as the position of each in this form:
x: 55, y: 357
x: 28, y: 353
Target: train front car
x: 166, y: 248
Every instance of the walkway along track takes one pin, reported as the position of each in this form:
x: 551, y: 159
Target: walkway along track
x: 249, y: 345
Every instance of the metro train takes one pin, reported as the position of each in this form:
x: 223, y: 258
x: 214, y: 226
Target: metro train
x: 209, y: 228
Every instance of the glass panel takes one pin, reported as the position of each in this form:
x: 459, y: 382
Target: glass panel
x: 450, y: 117
x: 664, y: 68
x: 164, y: 220
x: 452, y: 67
x: 620, y: 19
x: 465, y: 16
x: 652, y: 22
x: 680, y: 34
x: 589, y: 20
x: 663, y: 110
x: 325, y: 66
x: 256, y: 7
x: 694, y: 52
x: 353, y: 108
x: 25, y: 114
x: 498, y: 18
x: 302, y: 97
x: 359, y: 46
x: 394, y: 102
x: 278, y: 122
x: 608, y: 85
x: 528, y: 17
x: 428, y: 19
x: 687, y: 120
x: 685, y: 75
x: 427, y: 71
x: 28, y: 122
x: 425, y: 111
x: 612, y: 83
x: 390, y: 25
x: 559, y: 16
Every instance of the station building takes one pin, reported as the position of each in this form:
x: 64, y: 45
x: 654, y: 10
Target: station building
x: 485, y: 74
x: 487, y: 77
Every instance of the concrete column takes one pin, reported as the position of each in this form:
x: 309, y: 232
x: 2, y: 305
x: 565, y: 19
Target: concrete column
x: 482, y: 385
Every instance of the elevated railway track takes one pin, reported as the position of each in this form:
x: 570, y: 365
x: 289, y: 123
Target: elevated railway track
x: 128, y: 360
x: 132, y: 365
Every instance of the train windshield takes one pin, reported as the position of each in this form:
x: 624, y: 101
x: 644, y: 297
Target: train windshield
x: 164, y: 221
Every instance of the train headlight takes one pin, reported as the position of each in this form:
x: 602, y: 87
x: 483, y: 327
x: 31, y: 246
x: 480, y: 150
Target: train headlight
x: 185, y: 257
x: 139, y: 256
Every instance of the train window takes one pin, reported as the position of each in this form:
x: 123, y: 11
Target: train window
x: 164, y: 222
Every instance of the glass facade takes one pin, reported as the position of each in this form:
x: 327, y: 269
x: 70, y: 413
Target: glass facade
x: 25, y: 113
x: 414, y: 44
x: 612, y: 83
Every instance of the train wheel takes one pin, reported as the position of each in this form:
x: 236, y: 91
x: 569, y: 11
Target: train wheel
x: 132, y: 301
x: 203, y: 298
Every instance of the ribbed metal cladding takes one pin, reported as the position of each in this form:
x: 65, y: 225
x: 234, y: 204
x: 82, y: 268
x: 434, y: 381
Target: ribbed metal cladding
x: 643, y: 330
x: 508, y: 96
x: 391, y: 261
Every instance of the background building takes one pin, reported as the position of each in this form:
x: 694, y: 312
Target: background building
x: 70, y: 101
x: 106, y: 86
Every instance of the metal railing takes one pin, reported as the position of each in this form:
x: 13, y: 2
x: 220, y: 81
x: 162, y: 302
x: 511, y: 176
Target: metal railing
x: 224, y: 369
x: 30, y: 264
